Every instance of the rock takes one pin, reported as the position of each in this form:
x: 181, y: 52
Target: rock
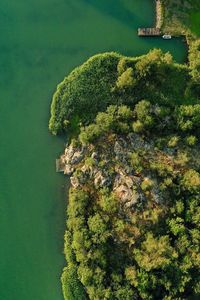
x: 84, y: 169
x: 123, y: 193
x: 134, y: 199
x: 62, y: 158
x: 76, y: 158
x: 69, y: 152
x: 170, y: 151
x: 122, y: 178
x: 128, y: 169
x: 74, y: 182
x: 68, y: 170
x: 106, y: 182
x: 124, y: 186
x: 156, y: 195
x: 94, y: 155
x: 101, y: 181
x: 94, y: 171
x: 129, y: 181
x: 98, y: 179
x: 137, y: 180
x: 127, y: 195
x: 73, y: 155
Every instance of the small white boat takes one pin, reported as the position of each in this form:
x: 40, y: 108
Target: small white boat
x: 167, y: 37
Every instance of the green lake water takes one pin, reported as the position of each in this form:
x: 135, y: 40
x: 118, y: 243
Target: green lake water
x: 40, y: 42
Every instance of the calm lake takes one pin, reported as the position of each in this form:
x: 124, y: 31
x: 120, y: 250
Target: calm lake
x: 40, y: 42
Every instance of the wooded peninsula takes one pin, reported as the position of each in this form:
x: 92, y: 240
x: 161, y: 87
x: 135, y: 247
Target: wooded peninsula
x: 133, y: 129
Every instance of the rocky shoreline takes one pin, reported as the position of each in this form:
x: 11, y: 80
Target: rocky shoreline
x: 110, y: 167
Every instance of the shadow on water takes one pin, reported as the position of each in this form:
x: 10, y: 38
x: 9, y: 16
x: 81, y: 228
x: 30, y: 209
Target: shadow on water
x: 115, y: 9
x: 132, y: 14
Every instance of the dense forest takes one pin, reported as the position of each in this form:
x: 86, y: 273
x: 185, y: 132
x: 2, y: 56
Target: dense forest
x: 110, y: 78
x: 133, y: 215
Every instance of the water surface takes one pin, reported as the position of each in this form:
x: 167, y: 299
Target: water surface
x: 40, y: 42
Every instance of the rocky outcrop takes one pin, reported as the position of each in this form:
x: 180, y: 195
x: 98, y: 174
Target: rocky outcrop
x: 71, y: 157
x: 109, y: 167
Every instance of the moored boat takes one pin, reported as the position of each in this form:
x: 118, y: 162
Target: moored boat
x: 166, y: 36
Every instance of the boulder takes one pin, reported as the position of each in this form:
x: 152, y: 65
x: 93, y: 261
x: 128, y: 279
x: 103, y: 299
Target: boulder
x: 101, y: 181
x: 127, y: 195
x: 68, y: 170
x: 135, y: 197
x: 73, y: 155
x: 69, y: 152
x: 74, y: 182
x: 77, y: 157
x: 94, y: 155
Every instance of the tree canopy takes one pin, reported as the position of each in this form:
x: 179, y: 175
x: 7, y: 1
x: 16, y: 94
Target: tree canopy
x: 110, y: 78
x: 146, y: 247
x: 133, y: 214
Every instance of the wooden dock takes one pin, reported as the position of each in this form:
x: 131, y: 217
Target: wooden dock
x: 149, y: 31
x: 60, y: 166
x: 156, y: 30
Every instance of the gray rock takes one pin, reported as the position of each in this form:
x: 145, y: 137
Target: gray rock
x: 94, y: 155
x: 84, y: 169
x: 68, y: 170
x: 101, y: 180
x: 98, y: 179
x: 77, y: 157
x: 127, y: 195
x: 134, y: 199
x: 137, y: 180
x: 73, y: 155
x: 69, y: 152
x: 74, y: 182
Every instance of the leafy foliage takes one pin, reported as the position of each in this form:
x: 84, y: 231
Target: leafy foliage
x: 72, y: 288
x: 110, y: 78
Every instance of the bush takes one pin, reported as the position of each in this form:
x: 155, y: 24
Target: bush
x: 72, y: 287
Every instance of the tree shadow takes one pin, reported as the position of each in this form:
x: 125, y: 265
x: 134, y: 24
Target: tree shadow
x: 115, y: 9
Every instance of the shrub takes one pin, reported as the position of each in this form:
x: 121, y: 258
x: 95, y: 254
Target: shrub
x: 72, y: 287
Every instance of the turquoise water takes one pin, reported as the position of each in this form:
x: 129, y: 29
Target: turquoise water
x: 40, y: 42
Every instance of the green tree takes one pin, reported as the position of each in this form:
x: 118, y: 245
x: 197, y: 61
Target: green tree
x: 126, y: 79
x: 155, y: 253
x: 72, y: 287
x: 191, y: 181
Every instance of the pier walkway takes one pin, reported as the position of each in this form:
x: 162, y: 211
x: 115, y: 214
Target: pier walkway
x: 149, y: 31
x: 154, y: 31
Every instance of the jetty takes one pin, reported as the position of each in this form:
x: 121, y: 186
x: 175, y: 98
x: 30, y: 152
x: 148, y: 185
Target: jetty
x: 149, y: 31
x: 153, y: 31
